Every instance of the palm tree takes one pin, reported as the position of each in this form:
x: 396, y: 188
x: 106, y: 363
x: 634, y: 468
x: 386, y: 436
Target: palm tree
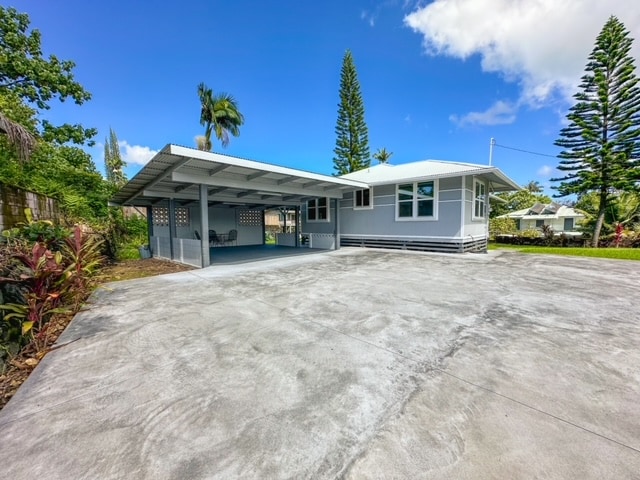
x: 18, y: 136
x: 218, y: 113
x: 382, y: 155
x: 533, y: 186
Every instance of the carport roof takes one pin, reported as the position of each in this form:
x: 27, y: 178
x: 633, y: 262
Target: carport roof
x: 176, y: 172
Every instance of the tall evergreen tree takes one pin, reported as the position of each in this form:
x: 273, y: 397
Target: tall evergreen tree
x: 113, y: 162
x: 602, y: 140
x: 352, y: 142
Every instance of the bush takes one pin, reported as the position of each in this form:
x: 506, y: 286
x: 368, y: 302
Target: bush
x: 38, y: 282
x: 501, y: 226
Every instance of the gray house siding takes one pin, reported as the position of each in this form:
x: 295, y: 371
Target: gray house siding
x: 319, y: 227
x: 379, y: 227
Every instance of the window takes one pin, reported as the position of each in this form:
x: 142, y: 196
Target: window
x: 539, y: 223
x: 479, y: 200
x: 568, y: 224
x: 416, y: 201
x: 362, y: 199
x: 318, y: 210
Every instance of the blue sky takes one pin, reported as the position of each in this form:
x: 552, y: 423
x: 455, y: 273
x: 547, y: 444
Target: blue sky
x: 438, y: 79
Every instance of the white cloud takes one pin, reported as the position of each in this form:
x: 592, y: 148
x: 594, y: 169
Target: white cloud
x: 368, y: 17
x: 545, y: 171
x: 542, y: 45
x: 407, y: 119
x: 135, y: 154
x: 500, y: 113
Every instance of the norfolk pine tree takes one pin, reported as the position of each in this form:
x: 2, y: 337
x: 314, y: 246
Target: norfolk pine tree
x: 602, y: 140
x: 352, y: 142
x: 113, y: 163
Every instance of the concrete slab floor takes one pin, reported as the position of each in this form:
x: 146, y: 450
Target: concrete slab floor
x: 350, y: 364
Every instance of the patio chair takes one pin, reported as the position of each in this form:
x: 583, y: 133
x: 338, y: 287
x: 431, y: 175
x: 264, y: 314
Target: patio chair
x: 214, y: 239
x: 232, y: 237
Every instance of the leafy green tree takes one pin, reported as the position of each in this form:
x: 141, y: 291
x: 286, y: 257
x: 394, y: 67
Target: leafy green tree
x: 218, y: 114
x: 27, y: 74
x: 602, y: 140
x: 623, y: 208
x: 382, y: 155
x: 514, y: 201
x: 352, y: 142
x: 113, y: 163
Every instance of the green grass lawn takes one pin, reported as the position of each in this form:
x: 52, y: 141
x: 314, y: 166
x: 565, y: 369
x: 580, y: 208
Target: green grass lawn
x: 616, y: 253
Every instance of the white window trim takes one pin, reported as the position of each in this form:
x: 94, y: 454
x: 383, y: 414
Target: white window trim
x: 475, y: 199
x: 415, y: 218
x: 324, y: 220
x: 368, y: 207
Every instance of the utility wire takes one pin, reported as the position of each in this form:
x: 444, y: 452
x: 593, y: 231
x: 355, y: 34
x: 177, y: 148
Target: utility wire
x: 525, y: 151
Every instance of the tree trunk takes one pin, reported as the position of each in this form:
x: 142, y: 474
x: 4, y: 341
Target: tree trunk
x: 601, y: 211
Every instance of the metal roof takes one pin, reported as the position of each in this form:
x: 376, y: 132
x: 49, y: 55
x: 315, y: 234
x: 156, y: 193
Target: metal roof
x: 562, y: 211
x: 385, y: 173
x: 176, y: 172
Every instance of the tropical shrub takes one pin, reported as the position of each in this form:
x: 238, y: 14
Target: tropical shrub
x: 501, y: 226
x: 37, y: 283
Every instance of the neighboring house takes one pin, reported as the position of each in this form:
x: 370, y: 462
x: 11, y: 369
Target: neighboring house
x: 427, y: 205
x: 281, y: 220
x: 560, y: 218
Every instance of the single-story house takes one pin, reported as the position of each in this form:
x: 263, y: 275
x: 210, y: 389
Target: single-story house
x: 560, y: 218
x: 197, y: 201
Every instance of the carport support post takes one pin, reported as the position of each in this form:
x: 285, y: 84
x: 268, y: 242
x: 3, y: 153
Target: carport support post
x: 204, y: 224
x: 297, y: 229
x: 172, y: 226
x: 150, y: 227
x: 337, y: 220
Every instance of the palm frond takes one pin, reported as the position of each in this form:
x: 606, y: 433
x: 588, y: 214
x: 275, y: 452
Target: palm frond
x: 21, y: 138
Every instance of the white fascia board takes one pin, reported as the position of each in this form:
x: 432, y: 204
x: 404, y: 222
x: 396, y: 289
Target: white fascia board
x: 221, y: 198
x: 255, y: 185
x: 266, y: 167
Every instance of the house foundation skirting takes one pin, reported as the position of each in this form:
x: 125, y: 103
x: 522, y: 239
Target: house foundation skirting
x: 450, y: 245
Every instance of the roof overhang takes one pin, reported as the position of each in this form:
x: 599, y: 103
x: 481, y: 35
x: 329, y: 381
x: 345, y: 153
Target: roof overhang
x: 177, y: 172
x: 498, y: 181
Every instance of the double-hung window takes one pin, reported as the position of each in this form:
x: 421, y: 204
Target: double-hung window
x: 479, y: 200
x: 318, y: 210
x: 363, y: 199
x: 416, y: 201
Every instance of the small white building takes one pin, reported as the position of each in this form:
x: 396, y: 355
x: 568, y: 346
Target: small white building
x: 560, y: 218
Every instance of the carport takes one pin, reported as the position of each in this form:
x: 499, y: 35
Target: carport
x: 187, y: 193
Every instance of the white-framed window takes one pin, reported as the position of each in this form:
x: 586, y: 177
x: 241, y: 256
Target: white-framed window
x: 318, y: 210
x: 479, y: 200
x: 417, y: 200
x: 363, y: 199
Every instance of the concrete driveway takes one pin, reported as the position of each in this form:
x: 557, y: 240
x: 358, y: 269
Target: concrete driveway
x: 350, y: 364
